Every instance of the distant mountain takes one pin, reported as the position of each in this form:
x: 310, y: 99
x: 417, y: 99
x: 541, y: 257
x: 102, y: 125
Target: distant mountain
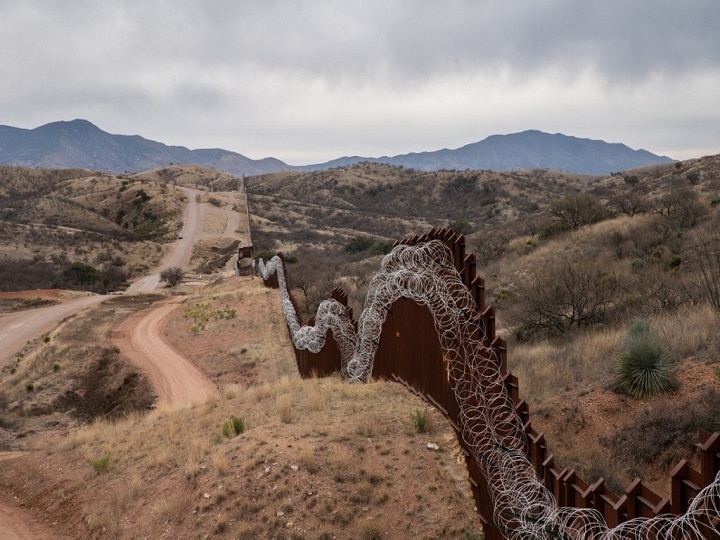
x: 81, y: 144
x: 530, y: 149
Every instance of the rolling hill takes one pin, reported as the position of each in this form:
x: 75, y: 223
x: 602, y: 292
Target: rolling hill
x: 81, y: 144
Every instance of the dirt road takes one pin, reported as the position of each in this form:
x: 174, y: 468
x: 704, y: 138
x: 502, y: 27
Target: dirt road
x: 181, y: 252
x: 177, y: 382
x: 17, y: 328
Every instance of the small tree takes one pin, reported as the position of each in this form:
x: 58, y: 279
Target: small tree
x: 562, y: 296
x: 707, y: 250
x: 172, y: 276
x: 574, y: 211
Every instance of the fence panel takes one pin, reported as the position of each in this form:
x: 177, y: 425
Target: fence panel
x: 409, y: 351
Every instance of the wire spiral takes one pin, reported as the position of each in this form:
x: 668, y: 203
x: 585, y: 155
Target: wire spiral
x: 490, y: 427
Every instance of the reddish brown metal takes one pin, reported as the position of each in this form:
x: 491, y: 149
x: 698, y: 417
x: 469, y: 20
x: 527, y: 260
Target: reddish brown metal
x: 409, y: 352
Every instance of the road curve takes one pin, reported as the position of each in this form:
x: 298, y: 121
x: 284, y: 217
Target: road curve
x: 178, y: 382
x: 17, y: 328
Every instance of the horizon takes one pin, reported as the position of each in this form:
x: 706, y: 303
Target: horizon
x: 308, y: 81
x: 351, y: 155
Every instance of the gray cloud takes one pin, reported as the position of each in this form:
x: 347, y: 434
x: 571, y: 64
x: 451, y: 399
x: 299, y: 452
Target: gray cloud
x: 312, y: 79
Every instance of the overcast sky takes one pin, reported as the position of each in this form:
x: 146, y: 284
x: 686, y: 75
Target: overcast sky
x: 309, y: 81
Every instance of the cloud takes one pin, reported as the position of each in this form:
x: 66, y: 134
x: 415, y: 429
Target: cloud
x: 323, y: 78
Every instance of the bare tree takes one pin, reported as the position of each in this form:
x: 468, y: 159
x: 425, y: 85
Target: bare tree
x: 708, y: 256
x: 574, y: 211
x: 172, y: 276
x: 564, y: 295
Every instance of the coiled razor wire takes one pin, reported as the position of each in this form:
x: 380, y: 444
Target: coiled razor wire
x: 490, y: 427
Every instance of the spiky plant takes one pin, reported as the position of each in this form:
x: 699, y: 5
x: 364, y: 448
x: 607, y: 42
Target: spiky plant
x: 233, y: 427
x: 645, y: 366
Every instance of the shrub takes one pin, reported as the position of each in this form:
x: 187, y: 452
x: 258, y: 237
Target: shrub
x: 358, y: 244
x: 574, y: 211
x: 421, y: 421
x: 707, y: 250
x: 172, y: 275
x: 101, y: 464
x: 645, y: 366
x: 233, y: 427
x: 564, y: 295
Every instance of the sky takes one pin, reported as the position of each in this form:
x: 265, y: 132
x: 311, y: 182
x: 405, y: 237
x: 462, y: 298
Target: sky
x: 309, y: 81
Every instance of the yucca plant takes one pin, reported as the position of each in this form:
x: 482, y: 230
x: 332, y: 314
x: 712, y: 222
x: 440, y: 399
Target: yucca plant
x: 645, y: 366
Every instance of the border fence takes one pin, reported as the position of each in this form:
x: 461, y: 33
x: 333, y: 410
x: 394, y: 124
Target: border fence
x: 409, y: 352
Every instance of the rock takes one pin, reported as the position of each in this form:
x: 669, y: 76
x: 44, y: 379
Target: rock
x: 294, y: 467
x: 432, y: 446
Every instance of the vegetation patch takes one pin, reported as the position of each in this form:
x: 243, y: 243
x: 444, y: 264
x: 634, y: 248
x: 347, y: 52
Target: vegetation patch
x: 645, y: 366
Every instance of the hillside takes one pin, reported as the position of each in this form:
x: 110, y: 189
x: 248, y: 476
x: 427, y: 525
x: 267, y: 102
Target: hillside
x: 619, y: 252
x: 317, y: 458
x: 636, y: 253
x: 531, y: 149
x: 80, y: 144
x: 82, y: 229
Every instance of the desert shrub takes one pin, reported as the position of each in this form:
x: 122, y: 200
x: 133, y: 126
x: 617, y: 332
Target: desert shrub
x: 645, y: 366
x: 666, y: 431
x: 673, y: 261
x: 233, y: 427
x: 421, y: 421
x: 358, y: 244
x: 172, y: 276
x: 100, y: 465
x: 564, y: 295
x: 574, y: 211
x: 707, y: 250
x: 382, y: 248
x: 550, y: 229
x: 81, y: 275
x: 461, y: 226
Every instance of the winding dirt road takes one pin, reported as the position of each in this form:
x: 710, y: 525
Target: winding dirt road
x: 141, y: 338
x: 178, y: 382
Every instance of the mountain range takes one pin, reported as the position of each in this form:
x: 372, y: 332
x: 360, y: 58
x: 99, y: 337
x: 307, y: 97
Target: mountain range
x: 81, y: 144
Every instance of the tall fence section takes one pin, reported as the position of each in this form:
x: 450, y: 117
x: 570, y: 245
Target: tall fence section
x: 426, y: 325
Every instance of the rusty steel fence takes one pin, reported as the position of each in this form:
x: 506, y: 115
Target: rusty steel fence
x: 409, y: 353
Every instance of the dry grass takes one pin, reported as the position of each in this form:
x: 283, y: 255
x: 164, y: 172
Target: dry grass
x: 348, y: 448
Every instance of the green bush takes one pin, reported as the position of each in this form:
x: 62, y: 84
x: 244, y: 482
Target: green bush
x: 233, y: 427
x: 421, y: 421
x: 358, y: 244
x: 101, y: 464
x: 645, y: 366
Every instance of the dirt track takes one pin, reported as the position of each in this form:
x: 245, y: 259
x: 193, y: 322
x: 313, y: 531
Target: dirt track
x: 177, y: 382
x: 18, y: 328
